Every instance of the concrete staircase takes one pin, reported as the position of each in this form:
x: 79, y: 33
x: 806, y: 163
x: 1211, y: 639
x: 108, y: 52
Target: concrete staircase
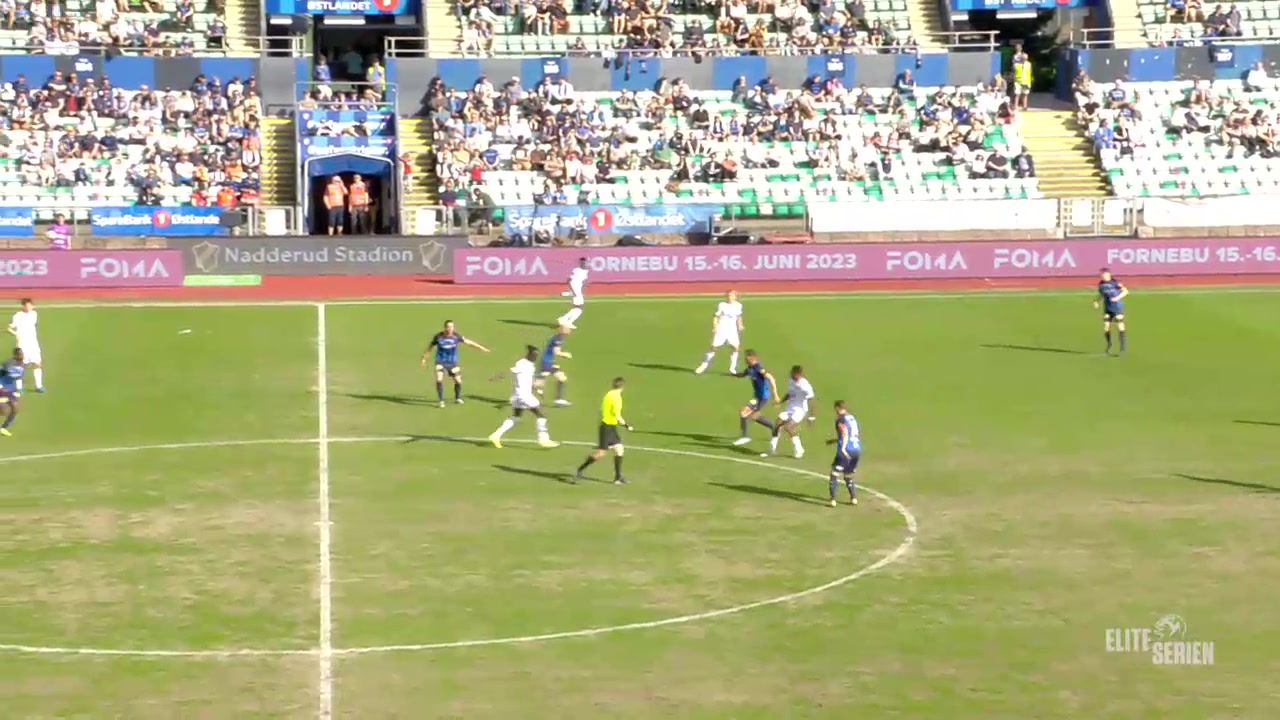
x: 244, y: 26
x: 280, y: 169
x: 415, y: 140
x: 1126, y: 21
x: 1065, y: 164
x: 442, y: 27
x: 926, y: 24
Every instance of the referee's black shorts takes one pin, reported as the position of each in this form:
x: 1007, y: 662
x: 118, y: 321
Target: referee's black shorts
x: 609, y: 436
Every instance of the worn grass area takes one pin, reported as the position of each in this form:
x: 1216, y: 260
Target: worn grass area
x: 1059, y: 493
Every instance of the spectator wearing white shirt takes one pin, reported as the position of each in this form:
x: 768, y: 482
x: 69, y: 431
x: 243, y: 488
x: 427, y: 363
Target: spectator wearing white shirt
x: 1256, y: 79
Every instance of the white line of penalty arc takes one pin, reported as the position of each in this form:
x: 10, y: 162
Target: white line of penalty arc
x: 909, y: 518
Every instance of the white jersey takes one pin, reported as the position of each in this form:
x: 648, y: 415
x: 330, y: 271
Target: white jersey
x: 799, y: 393
x: 522, y: 378
x: 728, y: 314
x: 577, y: 280
x: 24, y: 324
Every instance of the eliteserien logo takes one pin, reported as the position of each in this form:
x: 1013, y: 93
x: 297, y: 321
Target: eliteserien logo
x: 430, y: 256
x: 1167, y: 642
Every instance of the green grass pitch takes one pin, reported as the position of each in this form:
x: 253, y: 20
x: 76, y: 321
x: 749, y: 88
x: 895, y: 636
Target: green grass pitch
x: 1058, y: 493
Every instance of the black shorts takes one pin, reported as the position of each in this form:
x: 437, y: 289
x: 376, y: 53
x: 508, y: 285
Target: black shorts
x: 449, y: 369
x: 1113, y: 316
x: 609, y: 436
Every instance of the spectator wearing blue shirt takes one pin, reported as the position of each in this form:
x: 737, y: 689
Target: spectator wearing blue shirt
x: 905, y: 84
x: 1104, y: 137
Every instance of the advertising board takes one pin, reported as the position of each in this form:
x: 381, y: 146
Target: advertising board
x: 90, y: 268
x: 872, y: 261
x: 605, y: 219
x: 183, y: 221
x: 320, y: 255
x: 340, y: 7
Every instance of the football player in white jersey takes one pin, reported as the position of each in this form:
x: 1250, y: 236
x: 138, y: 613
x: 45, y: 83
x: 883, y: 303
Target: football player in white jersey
x: 23, y: 327
x: 726, y: 329
x: 794, y: 409
x: 523, y: 398
x: 577, y: 281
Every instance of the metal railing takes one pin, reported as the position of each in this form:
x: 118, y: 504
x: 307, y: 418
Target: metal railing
x: 1091, y: 38
x: 239, y: 46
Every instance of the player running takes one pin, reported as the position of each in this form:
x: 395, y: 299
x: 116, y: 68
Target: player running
x: 726, y: 329
x: 609, y: 439
x: 848, y: 453
x: 795, y: 409
x: 1111, y: 295
x: 550, y: 367
x: 11, y: 372
x: 522, y: 398
x: 23, y: 327
x: 446, y: 344
x: 577, y: 281
x: 763, y: 388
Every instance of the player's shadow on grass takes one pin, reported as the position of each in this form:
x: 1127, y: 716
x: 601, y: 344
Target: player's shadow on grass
x: 1033, y: 348
x: 1266, y: 423
x: 395, y: 399
x: 771, y: 492
x: 411, y: 438
x: 496, y: 402
x: 696, y: 437
x: 1256, y: 487
x: 528, y: 323
x: 562, y: 477
x: 662, y: 366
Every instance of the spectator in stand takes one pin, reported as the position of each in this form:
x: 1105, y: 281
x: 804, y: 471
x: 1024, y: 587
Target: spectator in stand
x: 59, y: 233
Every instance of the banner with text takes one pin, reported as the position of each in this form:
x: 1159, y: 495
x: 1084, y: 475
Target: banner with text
x: 605, y: 219
x: 17, y: 222
x: 375, y: 147
x: 873, y: 261
x: 340, y: 7
x: 90, y: 268
x: 373, y: 255
x: 184, y: 221
x: 966, y: 5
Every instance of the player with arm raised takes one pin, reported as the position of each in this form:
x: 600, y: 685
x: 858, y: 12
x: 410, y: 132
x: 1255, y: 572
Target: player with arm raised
x: 763, y: 389
x: 446, y: 344
x: 577, y: 282
x: 23, y: 328
x: 522, y: 398
x: 726, y: 329
x: 795, y: 408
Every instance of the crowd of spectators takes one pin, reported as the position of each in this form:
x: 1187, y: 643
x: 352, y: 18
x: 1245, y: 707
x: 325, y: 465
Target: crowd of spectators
x: 160, y: 28
x: 574, y: 144
x: 665, y: 28
x: 198, y: 145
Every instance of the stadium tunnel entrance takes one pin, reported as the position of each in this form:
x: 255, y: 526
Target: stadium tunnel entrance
x: 377, y: 176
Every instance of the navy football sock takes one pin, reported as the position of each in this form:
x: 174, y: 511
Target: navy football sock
x: 849, y: 484
x: 560, y: 390
x: 617, y: 467
x: 13, y: 413
x: 457, y: 390
x: 1107, y: 335
x: 835, y: 483
x: 440, y: 391
x: 1122, y: 341
x: 765, y: 422
x: 586, y: 463
x: 743, y: 423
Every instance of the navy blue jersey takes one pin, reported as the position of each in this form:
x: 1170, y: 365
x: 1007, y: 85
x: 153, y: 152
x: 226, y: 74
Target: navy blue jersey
x: 1109, y: 292
x: 446, y: 348
x: 549, y: 352
x: 759, y: 382
x: 847, y: 439
x: 10, y: 373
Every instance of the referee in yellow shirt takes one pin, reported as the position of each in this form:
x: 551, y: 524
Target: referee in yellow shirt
x: 610, y: 419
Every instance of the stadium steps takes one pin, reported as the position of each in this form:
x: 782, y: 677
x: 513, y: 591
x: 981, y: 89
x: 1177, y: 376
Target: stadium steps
x: 926, y: 24
x: 1126, y: 23
x: 415, y: 141
x: 280, y: 170
x: 442, y: 27
x: 244, y: 26
x: 1065, y: 164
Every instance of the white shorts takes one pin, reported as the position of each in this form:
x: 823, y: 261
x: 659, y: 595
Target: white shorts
x: 524, y: 402
x: 793, y: 413
x: 30, y: 351
x: 726, y: 336
x: 576, y: 299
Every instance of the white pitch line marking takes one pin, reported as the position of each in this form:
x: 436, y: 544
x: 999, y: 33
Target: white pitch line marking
x: 858, y: 295
x: 326, y: 557
x: 894, y: 556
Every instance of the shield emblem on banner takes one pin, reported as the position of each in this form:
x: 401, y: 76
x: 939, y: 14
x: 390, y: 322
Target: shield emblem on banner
x: 206, y: 256
x: 432, y: 254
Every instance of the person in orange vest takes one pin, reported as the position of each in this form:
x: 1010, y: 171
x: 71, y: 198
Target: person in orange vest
x: 226, y: 197
x: 358, y: 201
x: 335, y: 202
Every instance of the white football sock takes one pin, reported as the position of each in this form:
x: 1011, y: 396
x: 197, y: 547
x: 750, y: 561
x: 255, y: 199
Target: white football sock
x: 773, y: 443
x: 733, y: 362
x: 542, y: 428
x: 708, y: 357
x: 573, y: 315
x: 795, y: 443
x: 39, y: 377
x: 505, y: 426
x: 19, y: 385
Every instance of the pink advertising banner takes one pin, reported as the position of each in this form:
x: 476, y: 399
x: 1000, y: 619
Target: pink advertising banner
x: 90, y: 268
x: 872, y: 261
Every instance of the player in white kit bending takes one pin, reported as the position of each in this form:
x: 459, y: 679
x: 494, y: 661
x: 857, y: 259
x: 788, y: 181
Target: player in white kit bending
x: 522, y: 398
x: 23, y: 327
x: 577, y: 281
x: 726, y: 330
x: 795, y: 409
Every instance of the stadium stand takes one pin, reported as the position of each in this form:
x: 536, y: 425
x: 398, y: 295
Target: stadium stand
x: 150, y: 27
x: 1185, y: 138
x: 1185, y: 22
x: 76, y: 143
x: 756, y: 149
x: 662, y: 27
